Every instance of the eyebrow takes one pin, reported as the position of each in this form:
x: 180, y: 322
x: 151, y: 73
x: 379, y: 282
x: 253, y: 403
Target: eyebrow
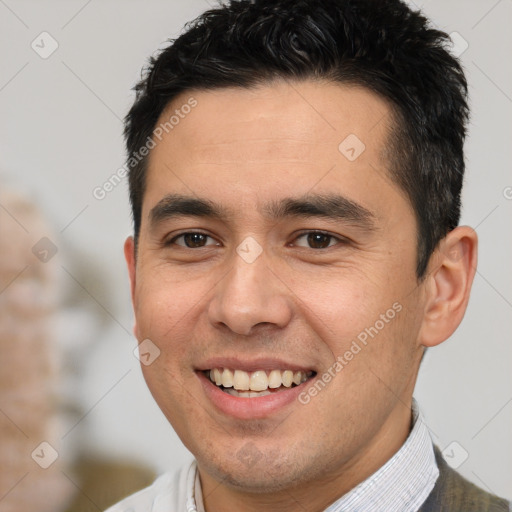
x: 177, y: 205
x: 328, y: 206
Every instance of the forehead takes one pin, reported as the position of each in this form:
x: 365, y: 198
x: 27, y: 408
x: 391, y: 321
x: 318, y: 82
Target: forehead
x: 314, y: 112
x: 267, y: 140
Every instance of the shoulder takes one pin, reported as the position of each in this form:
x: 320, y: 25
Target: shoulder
x: 452, y: 493
x: 167, y: 492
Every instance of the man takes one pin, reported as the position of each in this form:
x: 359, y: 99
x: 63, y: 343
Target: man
x: 295, y: 172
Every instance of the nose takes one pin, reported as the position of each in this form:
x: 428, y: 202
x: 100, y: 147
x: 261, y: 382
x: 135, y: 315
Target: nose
x: 249, y: 296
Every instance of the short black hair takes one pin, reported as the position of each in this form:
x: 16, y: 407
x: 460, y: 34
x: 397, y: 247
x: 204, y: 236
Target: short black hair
x: 382, y: 45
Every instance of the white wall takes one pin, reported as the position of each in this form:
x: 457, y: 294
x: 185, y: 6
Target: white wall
x: 61, y: 137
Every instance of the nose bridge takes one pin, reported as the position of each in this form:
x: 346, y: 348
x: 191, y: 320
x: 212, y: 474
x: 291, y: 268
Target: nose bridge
x: 250, y: 293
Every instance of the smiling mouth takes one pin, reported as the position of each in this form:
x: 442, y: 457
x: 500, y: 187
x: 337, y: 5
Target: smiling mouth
x: 256, y: 384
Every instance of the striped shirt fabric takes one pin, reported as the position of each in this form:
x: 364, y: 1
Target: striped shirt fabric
x: 403, y: 483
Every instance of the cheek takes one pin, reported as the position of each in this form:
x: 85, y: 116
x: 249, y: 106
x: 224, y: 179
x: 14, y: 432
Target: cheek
x: 167, y: 313
x: 170, y: 393
x: 364, y: 320
x: 163, y: 306
x: 339, y: 304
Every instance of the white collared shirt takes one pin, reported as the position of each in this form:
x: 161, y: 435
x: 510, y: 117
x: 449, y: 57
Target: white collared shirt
x: 402, y: 484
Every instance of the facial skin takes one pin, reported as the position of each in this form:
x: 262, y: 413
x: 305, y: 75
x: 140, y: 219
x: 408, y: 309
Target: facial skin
x: 302, y: 304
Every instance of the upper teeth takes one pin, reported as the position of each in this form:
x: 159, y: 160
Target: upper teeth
x: 259, y: 380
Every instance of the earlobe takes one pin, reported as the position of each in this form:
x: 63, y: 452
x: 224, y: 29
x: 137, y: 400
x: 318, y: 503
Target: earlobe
x: 448, y: 286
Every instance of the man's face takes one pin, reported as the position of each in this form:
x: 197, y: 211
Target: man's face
x: 311, y: 258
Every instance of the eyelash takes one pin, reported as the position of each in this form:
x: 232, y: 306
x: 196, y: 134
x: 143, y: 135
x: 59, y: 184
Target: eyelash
x: 340, y: 240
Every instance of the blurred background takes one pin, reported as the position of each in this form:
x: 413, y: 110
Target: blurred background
x: 75, y: 413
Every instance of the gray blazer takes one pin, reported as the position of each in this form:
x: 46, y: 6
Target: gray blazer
x: 453, y: 493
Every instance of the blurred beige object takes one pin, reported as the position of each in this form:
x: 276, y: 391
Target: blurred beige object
x: 30, y: 465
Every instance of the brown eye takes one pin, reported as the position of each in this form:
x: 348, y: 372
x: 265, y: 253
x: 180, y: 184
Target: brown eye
x: 192, y: 240
x: 317, y: 240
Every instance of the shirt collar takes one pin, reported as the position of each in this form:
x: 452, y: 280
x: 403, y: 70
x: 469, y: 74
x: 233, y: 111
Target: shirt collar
x: 402, y: 484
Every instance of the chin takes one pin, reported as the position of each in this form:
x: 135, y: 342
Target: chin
x: 254, y: 469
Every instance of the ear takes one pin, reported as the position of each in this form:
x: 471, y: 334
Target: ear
x: 449, y: 280
x: 129, y: 255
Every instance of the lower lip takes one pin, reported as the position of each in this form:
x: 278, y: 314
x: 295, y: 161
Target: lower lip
x: 249, y: 408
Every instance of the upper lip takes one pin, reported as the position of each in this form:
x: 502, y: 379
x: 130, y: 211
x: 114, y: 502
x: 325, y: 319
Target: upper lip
x: 252, y: 365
